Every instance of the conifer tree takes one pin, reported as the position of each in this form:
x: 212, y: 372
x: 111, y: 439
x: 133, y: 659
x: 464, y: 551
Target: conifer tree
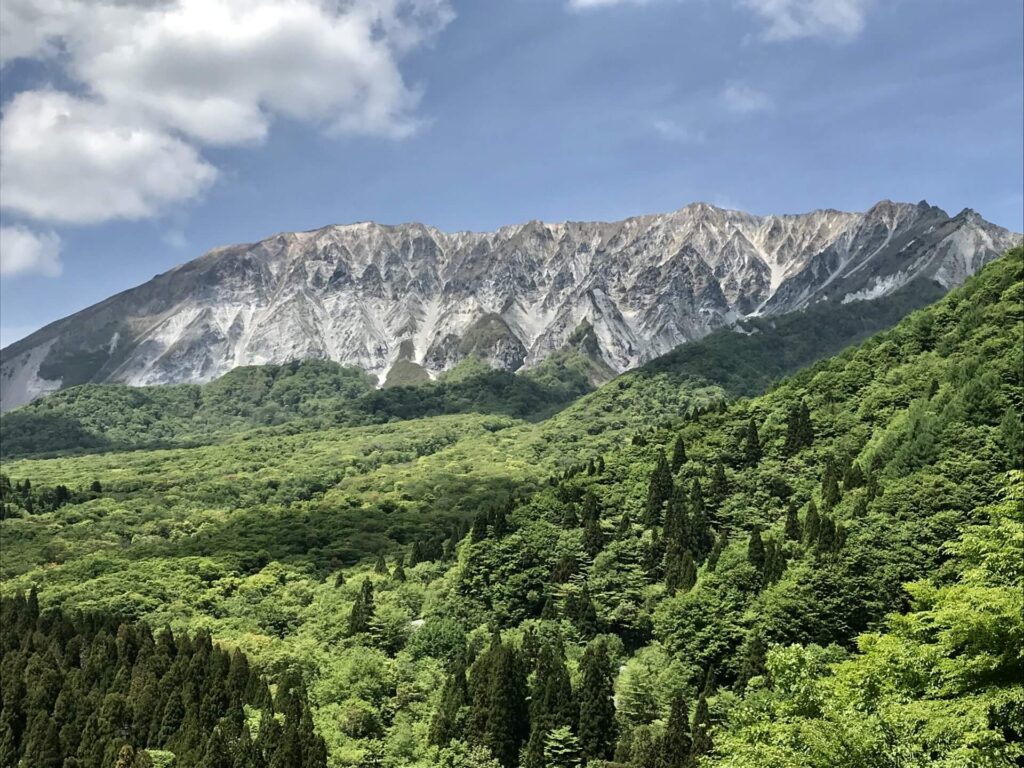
x: 552, y: 704
x: 854, y: 477
x: 597, y: 726
x: 700, y: 734
x: 593, y: 536
x: 659, y: 491
x: 751, y: 444
x: 755, y: 550
x: 718, y: 490
x: 799, y: 430
x: 678, y: 454
x: 416, y: 553
x: 625, y: 527
x: 362, y: 611
x: 752, y: 665
x: 399, y: 573
x: 561, y: 749
x: 676, y: 743
x: 449, y: 720
x: 680, y: 571
x: 677, y: 523
x: 1011, y: 433
x: 791, y: 529
x: 479, y: 531
x: 499, y: 719
x: 499, y: 522
x: 381, y: 566
x: 826, y: 536
x: 812, y: 524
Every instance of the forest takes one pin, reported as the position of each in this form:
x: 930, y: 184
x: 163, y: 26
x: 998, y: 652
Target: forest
x: 701, y: 563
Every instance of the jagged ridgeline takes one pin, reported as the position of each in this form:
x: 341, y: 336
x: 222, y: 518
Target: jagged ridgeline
x: 88, y: 691
x: 655, y: 577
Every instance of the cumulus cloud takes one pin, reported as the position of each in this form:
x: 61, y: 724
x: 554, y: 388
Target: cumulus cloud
x: 159, y: 79
x: 23, y: 251
x: 794, y: 19
x: 73, y: 160
x: 744, y: 100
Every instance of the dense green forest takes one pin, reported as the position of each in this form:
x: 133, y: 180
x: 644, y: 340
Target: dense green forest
x: 658, y: 575
x: 83, y: 691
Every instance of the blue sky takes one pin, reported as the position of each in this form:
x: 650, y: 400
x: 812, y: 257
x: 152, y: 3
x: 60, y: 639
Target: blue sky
x: 137, y: 134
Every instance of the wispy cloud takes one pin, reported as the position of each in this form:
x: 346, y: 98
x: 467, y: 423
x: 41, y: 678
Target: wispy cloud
x: 742, y: 99
x: 794, y: 19
x: 23, y: 252
x: 785, y: 19
x: 673, y: 130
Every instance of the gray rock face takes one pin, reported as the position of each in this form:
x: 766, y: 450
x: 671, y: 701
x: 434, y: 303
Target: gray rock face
x: 369, y: 295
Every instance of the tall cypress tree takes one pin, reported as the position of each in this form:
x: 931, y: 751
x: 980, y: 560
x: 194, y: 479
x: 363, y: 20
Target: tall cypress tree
x: 755, y: 550
x: 399, y: 573
x: 499, y: 717
x: 449, y: 720
x: 676, y: 743
x: 792, y: 528
x: 552, y: 704
x: 718, y: 490
x: 751, y: 444
x: 593, y: 536
x: 700, y: 735
x: 754, y: 652
x: 678, y: 454
x: 597, y: 726
x: 659, y: 491
x: 362, y: 610
x: 812, y: 524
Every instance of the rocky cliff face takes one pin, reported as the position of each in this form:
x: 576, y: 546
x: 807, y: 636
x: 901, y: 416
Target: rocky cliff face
x: 372, y: 295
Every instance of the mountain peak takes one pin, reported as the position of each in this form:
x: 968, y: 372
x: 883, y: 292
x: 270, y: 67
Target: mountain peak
x: 374, y: 295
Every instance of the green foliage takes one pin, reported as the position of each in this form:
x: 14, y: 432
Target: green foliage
x: 267, y: 540
x: 92, y: 692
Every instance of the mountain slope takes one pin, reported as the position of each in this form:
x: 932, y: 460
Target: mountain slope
x: 742, y: 359
x: 743, y: 538
x: 375, y: 296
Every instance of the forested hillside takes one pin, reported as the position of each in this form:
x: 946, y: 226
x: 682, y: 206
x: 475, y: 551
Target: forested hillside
x: 828, y: 574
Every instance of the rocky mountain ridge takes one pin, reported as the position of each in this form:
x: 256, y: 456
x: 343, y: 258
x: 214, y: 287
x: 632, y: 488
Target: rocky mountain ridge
x: 374, y: 295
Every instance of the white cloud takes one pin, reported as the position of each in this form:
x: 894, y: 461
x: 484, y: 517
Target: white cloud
x: 73, y: 160
x: 160, y: 79
x: 785, y: 19
x: 744, y: 100
x: 23, y: 251
x: 794, y: 19
x: 672, y: 130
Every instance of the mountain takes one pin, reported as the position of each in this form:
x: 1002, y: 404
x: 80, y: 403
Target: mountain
x: 822, y: 574
x: 410, y: 301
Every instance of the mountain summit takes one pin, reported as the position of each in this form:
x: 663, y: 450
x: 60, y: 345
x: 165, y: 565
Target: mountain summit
x: 373, y: 295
